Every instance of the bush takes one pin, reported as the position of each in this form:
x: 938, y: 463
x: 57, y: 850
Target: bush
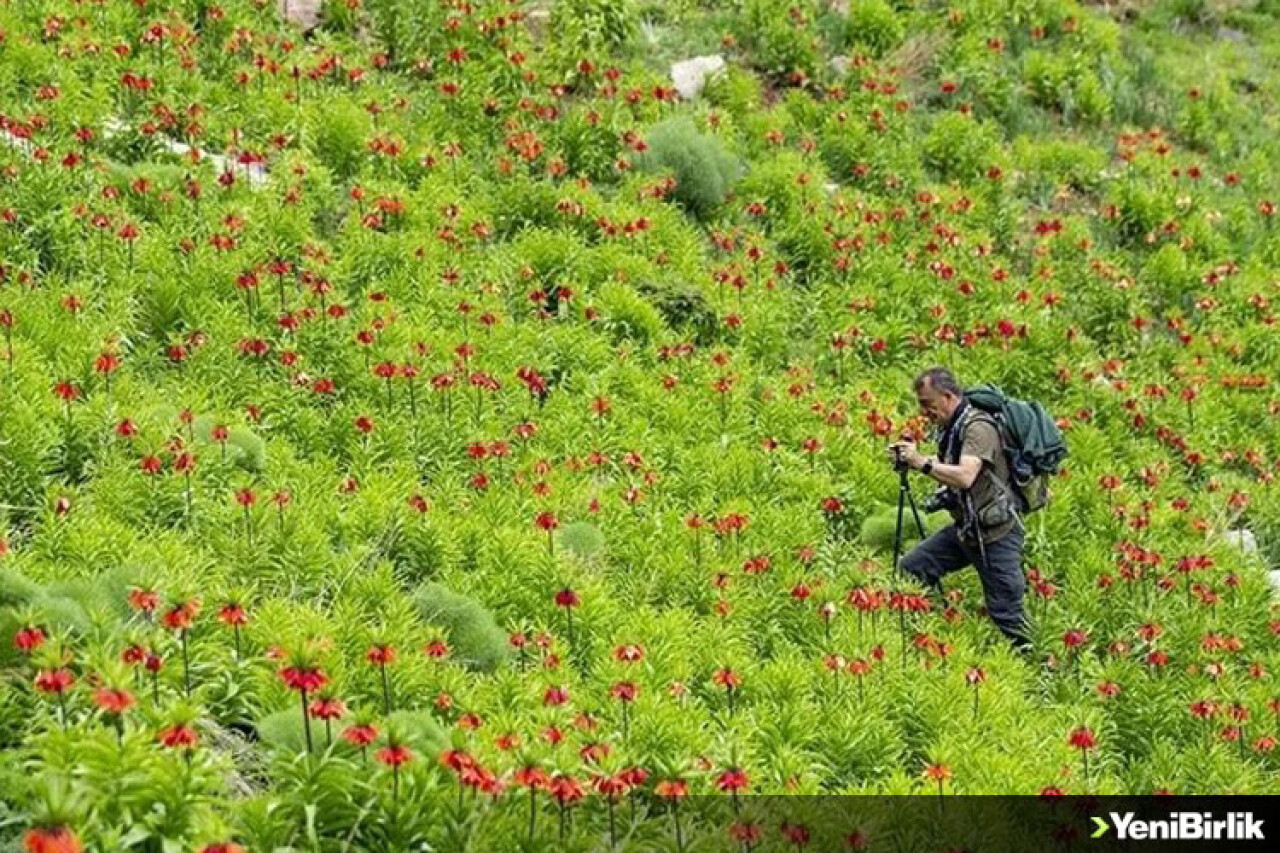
x: 473, y: 633
x: 583, y: 539
x: 628, y: 316
x: 593, y: 27
x: 735, y: 91
x: 1166, y: 276
x: 1060, y: 161
x: 338, y: 136
x: 874, y: 25
x: 1142, y: 210
x: 959, y: 147
x: 244, y: 448
x: 283, y: 731
x: 778, y: 35
x: 1090, y: 99
x: 683, y: 306
x: 878, y: 529
x: 703, y: 169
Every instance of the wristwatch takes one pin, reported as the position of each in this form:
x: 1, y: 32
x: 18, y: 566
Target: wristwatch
x: 927, y: 467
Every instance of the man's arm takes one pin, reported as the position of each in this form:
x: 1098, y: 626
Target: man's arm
x: 959, y: 476
x: 956, y: 476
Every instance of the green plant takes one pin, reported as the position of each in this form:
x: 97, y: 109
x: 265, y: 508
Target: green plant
x: 875, y: 25
x: 473, y: 634
x: 777, y: 34
x: 704, y: 171
x: 959, y: 147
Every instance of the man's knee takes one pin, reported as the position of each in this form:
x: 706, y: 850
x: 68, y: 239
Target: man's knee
x: 934, y: 557
x: 915, y: 563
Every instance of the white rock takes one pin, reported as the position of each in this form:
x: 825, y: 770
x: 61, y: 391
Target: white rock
x: 1274, y: 577
x: 304, y: 13
x: 690, y: 75
x: 537, y: 19
x: 1242, y: 539
x: 840, y: 65
x: 23, y: 145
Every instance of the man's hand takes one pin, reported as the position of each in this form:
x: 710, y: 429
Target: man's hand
x: 907, y: 450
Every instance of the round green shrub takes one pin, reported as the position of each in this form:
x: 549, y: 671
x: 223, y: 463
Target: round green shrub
x: 473, y: 633
x: 877, y: 530
x: 582, y: 539
x: 703, y: 169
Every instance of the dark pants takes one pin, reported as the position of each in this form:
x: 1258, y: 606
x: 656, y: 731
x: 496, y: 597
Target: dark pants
x: 1003, y: 584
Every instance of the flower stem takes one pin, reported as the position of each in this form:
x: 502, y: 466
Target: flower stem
x: 306, y: 719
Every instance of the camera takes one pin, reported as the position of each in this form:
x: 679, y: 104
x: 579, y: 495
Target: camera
x: 899, y: 461
x: 940, y: 500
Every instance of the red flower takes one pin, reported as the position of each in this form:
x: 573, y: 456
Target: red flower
x: 66, y: 391
x: 436, y: 649
x: 380, y: 654
x: 113, y: 700
x: 672, y: 789
x: 456, y: 760
x: 749, y: 834
x: 795, y: 833
x: 634, y: 776
x: 624, y: 691
x: 1082, y: 738
x: 143, y: 600
x: 531, y: 777
x: 1074, y: 637
x: 223, y: 847
x: 610, y: 786
x: 394, y: 755
x: 180, y: 616
x: 54, y: 680
x: 51, y: 839
x: 106, y: 363
x: 547, y: 521
x: 565, y: 789
x: 360, y: 735
x: 937, y: 773
x: 567, y: 599
x: 29, y: 639
x: 233, y: 614
x: 309, y: 679
x: 628, y: 653
x: 327, y: 708
x: 727, y: 678
x: 178, y: 737
x: 732, y: 780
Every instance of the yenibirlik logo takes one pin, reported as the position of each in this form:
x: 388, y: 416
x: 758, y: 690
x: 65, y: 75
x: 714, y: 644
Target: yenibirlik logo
x: 1182, y: 826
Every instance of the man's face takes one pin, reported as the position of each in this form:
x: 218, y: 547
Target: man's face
x: 936, y: 405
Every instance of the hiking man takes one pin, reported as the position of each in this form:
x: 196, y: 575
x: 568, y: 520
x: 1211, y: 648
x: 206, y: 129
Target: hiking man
x: 986, y: 533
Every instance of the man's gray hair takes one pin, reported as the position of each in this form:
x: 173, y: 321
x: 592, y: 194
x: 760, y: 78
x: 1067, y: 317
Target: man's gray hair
x: 940, y: 379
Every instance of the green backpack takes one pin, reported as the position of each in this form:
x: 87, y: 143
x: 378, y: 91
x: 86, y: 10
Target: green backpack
x: 1033, y: 443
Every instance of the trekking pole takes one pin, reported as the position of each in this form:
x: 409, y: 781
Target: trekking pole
x: 904, y: 498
